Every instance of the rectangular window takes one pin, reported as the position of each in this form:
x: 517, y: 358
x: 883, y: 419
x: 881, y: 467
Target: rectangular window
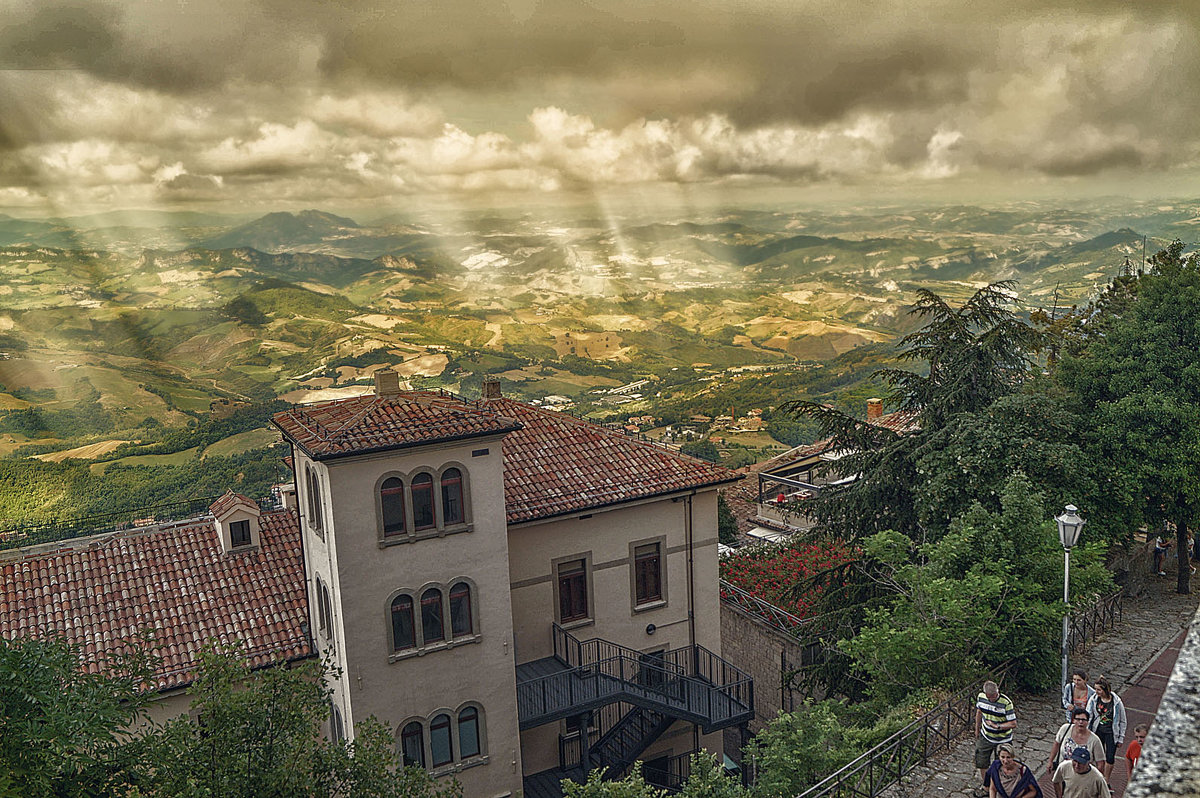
x: 647, y: 571
x: 572, y: 591
x: 239, y: 533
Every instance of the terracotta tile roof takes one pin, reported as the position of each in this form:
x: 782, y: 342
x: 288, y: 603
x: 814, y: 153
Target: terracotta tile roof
x: 557, y: 464
x: 378, y: 423
x: 99, y: 593
x: 901, y: 421
x: 228, y: 501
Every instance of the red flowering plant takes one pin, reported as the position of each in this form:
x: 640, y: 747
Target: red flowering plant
x: 772, y: 572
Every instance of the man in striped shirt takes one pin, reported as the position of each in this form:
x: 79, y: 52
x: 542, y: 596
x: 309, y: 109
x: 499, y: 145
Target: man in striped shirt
x: 995, y: 720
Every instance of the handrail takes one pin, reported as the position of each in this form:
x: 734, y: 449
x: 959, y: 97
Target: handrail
x: 878, y: 768
x: 764, y: 610
x: 18, y: 536
x: 689, y: 682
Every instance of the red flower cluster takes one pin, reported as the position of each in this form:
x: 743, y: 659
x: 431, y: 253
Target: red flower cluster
x: 770, y: 572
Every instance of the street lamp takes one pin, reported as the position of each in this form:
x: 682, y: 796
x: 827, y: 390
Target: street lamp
x: 1069, y: 526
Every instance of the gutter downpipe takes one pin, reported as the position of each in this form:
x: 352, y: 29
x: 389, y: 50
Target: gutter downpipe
x: 691, y: 591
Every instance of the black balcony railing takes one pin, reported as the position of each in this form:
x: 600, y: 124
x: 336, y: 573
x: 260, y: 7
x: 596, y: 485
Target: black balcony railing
x: 689, y: 683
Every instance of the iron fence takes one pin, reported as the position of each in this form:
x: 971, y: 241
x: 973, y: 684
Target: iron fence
x: 934, y: 732
x: 1092, y: 619
x: 774, y: 616
x: 16, y: 535
x: 885, y: 764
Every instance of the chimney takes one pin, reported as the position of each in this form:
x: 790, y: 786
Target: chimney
x: 387, y: 383
x: 874, y: 409
x: 491, y: 387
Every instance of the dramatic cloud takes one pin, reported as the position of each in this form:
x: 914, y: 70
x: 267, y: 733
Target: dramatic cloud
x: 260, y: 100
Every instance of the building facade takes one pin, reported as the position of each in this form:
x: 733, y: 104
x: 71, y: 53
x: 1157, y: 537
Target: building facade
x: 522, y: 595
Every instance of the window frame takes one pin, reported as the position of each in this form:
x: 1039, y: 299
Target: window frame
x: 236, y: 540
x: 637, y: 602
x: 428, y: 597
x: 444, y: 483
x: 426, y: 487
x: 450, y: 638
x: 558, y: 565
x: 434, y: 492
x: 422, y: 730
x: 316, y: 514
x: 393, y: 645
x: 405, y: 735
x: 400, y: 490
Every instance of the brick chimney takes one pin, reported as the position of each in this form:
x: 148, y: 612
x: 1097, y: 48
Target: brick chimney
x: 874, y: 409
x: 387, y: 383
x: 491, y: 387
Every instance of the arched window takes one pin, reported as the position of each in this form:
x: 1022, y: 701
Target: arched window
x: 404, y: 632
x: 322, y: 608
x: 468, y: 732
x: 335, y: 725
x: 422, y: 499
x: 314, y: 502
x: 391, y: 497
x: 432, y: 629
x: 439, y: 740
x: 460, y: 610
x: 412, y: 744
x: 325, y: 609
x: 452, y: 497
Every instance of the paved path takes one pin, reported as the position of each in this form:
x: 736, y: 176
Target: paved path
x: 1137, y: 656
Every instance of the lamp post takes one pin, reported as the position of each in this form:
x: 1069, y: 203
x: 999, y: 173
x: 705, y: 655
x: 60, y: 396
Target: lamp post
x: 1069, y: 526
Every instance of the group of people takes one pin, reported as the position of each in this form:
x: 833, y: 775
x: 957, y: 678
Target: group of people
x: 1085, y: 747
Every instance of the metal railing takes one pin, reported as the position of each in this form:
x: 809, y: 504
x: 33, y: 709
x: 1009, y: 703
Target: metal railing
x: 932, y: 733
x: 1092, y: 619
x: 777, y: 617
x: 14, y: 535
x: 19, y: 535
x: 690, y: 683
x: 889, y: 761
x: 670, y: 774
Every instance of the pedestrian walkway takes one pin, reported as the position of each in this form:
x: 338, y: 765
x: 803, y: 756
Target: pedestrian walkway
x: 1137, y: 657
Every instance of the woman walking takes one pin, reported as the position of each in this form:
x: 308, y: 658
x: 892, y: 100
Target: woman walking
x: 1009, y: 778
x: 1071, y: 736
x: 1107, y: 713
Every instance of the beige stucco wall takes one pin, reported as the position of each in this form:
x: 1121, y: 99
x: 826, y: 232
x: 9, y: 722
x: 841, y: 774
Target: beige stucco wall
x: 606, y: 537
x: 362, y: 575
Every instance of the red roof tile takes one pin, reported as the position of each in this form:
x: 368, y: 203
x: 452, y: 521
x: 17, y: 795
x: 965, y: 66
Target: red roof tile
x: 229, y: 500
x: 558, y: 464
x: 378, y: 423
x: 554, y: 463
x: 175, y: 581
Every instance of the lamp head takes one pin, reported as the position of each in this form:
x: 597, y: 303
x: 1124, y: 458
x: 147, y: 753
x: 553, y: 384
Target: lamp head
x: 1069, y: 526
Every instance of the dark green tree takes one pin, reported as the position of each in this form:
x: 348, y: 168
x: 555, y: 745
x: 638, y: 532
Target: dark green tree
x: 60, y: 725
x: 1137, y: 383
x: 727, y: 525
x: 966, y: 358
x: 258, y: 734
x: 704, y: 450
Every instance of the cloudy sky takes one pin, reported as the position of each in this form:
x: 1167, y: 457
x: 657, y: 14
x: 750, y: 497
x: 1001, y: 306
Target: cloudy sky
x: 246, y: 104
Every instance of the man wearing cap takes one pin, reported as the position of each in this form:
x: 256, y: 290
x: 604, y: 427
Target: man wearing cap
x: 1076, y: 778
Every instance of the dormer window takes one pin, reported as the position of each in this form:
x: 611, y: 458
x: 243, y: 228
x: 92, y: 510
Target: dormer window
x: 236, y: 519
x: 239, y: 533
